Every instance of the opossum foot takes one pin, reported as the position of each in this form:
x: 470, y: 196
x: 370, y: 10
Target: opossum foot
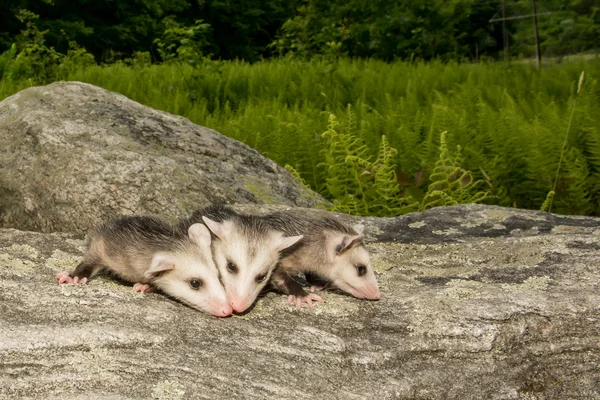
x: 64, y: 277
x: 143, y: 288
x: 308, y: 299
x: 315, y: 288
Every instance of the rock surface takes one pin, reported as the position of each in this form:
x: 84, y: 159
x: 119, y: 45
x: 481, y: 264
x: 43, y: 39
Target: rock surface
x: 73, y: 154
x: 478, y: 302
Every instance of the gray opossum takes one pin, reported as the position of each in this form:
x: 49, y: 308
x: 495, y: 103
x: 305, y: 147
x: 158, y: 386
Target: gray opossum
x: 245, y: 251
x: 151, y: 254
x: 330, y: 252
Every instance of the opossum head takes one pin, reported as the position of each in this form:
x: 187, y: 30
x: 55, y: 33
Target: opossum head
x: 350, y: 269
x: 190, y: 275
x: 246, y: 257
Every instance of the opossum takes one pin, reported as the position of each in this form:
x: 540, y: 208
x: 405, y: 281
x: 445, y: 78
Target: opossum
x: 330, y: 252
x: 245, y: 251
x: 153, y: 254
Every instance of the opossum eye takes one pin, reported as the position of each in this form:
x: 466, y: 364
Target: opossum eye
x: 231, y: 267
x: 361, y: 269
x: 261, y: 278
x: 195, y: 284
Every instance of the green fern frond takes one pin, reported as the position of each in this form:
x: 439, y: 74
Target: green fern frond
x: 546, y: 205
x: 356, y: 184
x: 296, y: 174
x: 305, y: 188
x: 450, y: 184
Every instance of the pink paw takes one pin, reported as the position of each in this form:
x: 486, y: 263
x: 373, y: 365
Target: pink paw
x: 308, y: 299
x: 143, y: 288
x: 315, y: 288
x: 65, y: 277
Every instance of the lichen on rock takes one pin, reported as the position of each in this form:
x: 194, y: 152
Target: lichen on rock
x: 473, y: 314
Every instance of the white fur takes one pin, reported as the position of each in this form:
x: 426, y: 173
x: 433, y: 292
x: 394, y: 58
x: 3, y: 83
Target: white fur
x: 210, y: 297
x: 161, y: 262
x: 343, y: 272
x: 200, y: 235
x: 241, y: 287
x: 172, y: 273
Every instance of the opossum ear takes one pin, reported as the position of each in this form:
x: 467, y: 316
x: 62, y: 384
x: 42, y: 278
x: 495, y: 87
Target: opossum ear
x: 200, y: 235
x: 222, y: 230
x: 359, y: 228
x: 348, y: 242
x: 160, y: 263
x: 283, y: 242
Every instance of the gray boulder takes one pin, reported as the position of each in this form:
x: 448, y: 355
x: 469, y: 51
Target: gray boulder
x: 72, y: 154
x: 478, y: 302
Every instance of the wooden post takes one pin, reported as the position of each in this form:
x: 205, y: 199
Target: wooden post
x: 505, y: 30
x: 538, y: 53
x: 504, y: 18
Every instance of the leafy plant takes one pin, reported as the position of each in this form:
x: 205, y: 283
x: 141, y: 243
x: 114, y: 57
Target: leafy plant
x: 33, y: 59
x: 356, y: 185
x: 183, y: 43
x: 508, y: 119
x: 30, y: 58
x: 577, y: 170
x: 450, y: 183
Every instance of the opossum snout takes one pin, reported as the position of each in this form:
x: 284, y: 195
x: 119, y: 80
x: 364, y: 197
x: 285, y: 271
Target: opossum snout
x: 224, y: 311
x: 370, y: 293
x: 238, y: 305
x: 219, y: 306
x: 374, y: 295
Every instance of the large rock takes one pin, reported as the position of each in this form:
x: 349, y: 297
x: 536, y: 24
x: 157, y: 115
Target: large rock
x: 477, y: 303
x: 72, y: 154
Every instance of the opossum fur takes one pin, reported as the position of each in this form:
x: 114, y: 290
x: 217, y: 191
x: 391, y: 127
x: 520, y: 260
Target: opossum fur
x: 148, y: 251
x: 330, y: 252
x: 245, y: 250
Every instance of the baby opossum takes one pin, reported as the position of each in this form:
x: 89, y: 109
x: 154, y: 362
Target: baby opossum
x: 330, y: 252
x: 245, y: 251
x: 152, y: 254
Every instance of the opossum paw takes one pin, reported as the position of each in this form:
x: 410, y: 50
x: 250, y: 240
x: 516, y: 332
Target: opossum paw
x: 143, y: 288
x: 79, y: 281
x: 315, y: 288
x: 308, y: 299
x: 64, y: 277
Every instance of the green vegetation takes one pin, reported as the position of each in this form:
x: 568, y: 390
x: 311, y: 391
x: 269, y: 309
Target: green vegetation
x: 508, y: 119
x: 255, y: 29
x: 374, y: 137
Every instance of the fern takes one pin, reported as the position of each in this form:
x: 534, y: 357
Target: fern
x: 510, y: 121
x: 342, y: 179
x: 450, y: 184
x: 577, y: 199
x: 304, y: 187
x: 546, y: 205
x: 387, y: 199
x: 579, y: 191
x: 367, y: 187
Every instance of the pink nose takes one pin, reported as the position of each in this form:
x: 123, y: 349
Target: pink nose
x: 221, y: 310
x: 372, y: 293
x: 238, y: 306
x: 226, y: 310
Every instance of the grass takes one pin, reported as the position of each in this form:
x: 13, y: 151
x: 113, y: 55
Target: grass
x: 509, y: 119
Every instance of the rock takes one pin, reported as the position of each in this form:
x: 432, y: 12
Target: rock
x: 478, y: 302
x: 72, y: 155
